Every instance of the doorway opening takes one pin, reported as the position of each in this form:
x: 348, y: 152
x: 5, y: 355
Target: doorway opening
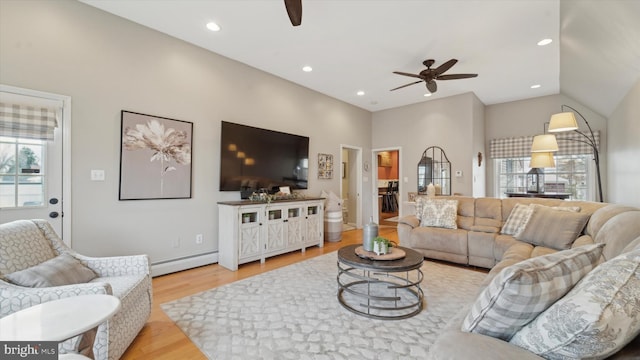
x: 351, y: 186
x: 388, y: 184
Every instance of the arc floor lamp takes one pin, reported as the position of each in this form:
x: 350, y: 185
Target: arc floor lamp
x: 566, y: 121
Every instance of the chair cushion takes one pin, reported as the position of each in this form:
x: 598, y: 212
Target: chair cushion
x: 439, y: 213
x: 597, y: 318
x: 61, y: 270
x: 553, y: 228
x: 520, y: 292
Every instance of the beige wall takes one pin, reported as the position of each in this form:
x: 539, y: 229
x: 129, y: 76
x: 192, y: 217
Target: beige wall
x: 107, y: 64
x: 448, y: 123
x: 624, y: 150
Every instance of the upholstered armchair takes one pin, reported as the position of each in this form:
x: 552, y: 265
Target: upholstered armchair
x: 26, y: 244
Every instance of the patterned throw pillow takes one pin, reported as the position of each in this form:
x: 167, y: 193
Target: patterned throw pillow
x: 522, y: 291
x: 439, y: 213
x: 517, y: 219
x: 61, y: 270
x: 596, y: 319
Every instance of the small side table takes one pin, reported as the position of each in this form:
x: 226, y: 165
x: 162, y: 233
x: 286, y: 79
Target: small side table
x: 62, y: 319
x: 380, y: 289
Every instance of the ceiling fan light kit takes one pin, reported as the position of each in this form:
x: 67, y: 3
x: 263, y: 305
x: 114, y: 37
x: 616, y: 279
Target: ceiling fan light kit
x: 429, y: 75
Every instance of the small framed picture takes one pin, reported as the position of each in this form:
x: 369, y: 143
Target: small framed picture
x: 285, y: 190
x: 412, y: 196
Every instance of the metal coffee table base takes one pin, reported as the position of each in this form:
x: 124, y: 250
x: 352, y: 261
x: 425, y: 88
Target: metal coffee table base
x: 380, y: 295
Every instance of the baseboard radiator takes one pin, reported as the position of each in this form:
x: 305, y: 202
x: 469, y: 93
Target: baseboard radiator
x: 183, y: 263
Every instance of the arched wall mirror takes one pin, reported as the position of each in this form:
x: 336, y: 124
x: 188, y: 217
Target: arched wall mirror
x: 434, y: 168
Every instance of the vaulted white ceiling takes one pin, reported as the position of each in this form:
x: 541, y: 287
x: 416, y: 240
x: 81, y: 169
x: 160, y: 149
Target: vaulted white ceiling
x: 355, y: 45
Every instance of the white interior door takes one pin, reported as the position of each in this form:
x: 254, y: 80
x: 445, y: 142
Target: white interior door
x: 32, y: 182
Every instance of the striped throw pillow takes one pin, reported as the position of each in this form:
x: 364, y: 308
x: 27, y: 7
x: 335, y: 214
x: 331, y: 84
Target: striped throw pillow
x: 520, y: 292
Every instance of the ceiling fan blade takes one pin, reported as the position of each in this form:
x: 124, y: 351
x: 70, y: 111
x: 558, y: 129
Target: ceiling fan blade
x: 294, y: 9
x: 408, y: 74
x: 432, y: 86
x: 456, y: 76
x: 444, y: 67
x: 400, y: 87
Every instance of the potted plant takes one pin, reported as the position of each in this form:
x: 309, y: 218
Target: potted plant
x: 382, y: 246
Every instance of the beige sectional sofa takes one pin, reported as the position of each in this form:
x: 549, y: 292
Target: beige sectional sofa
x: 478, y: 241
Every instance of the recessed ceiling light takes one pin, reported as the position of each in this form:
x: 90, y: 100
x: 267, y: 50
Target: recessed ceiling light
x: 544, y: 42
x: 427, y: 94
x: 360, y: 93
x: 307, y: 68
x: 535, y: 86
x: 213, y: 26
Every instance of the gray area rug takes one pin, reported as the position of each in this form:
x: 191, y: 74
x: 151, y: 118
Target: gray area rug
x: 293, y: 313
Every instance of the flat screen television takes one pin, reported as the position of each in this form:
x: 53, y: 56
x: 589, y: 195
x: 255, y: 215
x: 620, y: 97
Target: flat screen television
x: 254, y: 159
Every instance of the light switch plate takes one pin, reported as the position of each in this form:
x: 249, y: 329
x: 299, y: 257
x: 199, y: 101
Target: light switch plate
x: 97, y: 175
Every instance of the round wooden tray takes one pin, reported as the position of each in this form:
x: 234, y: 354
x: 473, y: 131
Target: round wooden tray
x: 395, y: 254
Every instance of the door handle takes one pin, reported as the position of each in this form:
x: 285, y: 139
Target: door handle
x: 53, y: 214
x: 53, y: 201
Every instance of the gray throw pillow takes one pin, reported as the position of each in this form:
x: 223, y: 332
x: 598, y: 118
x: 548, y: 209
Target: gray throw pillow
x: 553, y: 228
x: 61, y: 270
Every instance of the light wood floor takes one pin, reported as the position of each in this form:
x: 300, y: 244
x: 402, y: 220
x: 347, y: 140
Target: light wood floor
x: 162, y: 339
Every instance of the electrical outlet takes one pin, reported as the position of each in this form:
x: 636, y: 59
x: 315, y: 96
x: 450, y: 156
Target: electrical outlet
x: 199, y: 239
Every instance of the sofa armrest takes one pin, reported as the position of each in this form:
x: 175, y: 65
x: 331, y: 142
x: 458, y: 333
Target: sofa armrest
x: 14, y: 298
x: 117, y: 265
x: 410, y: 220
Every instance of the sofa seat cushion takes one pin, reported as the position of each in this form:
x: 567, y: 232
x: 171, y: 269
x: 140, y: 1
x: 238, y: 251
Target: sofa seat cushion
x: 439, y: 239
x: 61, y: 270
x: 520, y: 292
x: 553, y: 228
x: 598, y: 317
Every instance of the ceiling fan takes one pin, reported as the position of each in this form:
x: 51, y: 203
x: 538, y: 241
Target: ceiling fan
x: 294, y: 9
x: 429, y: 75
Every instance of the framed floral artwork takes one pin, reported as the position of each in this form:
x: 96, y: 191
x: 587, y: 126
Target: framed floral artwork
x: 155, y: 157
x: 325, y: 166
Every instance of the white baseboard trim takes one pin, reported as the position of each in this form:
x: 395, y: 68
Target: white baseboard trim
x: 188, y: 262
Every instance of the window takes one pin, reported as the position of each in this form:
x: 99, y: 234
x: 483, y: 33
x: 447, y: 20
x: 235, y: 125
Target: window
x: 21, y: 172
x: 572, y: 174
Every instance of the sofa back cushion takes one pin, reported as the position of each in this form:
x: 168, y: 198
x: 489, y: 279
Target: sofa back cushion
x: 619, y: 232
x: 22, y: 245
x: 466, y: 208
x: 488, y: 212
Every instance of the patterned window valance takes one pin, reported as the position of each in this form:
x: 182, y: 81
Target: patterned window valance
x: 27, y: 121
x: 569, y: 143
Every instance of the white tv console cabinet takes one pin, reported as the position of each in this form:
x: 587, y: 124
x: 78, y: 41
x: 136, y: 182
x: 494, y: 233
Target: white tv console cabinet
x: 250, y: 231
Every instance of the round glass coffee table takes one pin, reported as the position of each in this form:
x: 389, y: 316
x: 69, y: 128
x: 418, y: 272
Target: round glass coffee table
x: 380, y: 289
